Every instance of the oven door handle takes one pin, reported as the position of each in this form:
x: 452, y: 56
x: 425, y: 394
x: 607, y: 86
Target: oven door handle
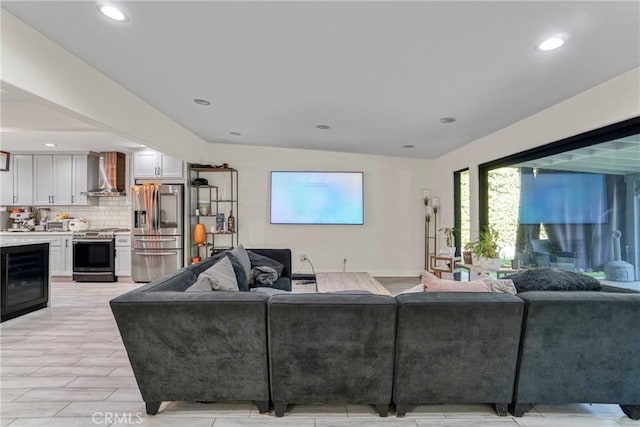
x: 75, y: 242
x: 173, y: 239
x: 155, y: 253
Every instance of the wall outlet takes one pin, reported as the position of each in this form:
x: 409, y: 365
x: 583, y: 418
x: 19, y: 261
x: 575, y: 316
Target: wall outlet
x: 303, y: 257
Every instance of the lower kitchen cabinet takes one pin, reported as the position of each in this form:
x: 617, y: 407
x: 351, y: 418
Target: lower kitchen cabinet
x: 61, y: 256
x: 123, y: 255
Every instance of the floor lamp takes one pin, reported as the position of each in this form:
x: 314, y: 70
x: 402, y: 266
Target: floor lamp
x: 431, y: 207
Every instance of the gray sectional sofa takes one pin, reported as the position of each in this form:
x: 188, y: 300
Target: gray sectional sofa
x: 275, y: 347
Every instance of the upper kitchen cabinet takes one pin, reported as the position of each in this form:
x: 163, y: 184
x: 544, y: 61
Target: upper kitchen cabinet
x: 52, y: 178
x: 153, y: 164
x: 84, y: 178
x: 64, y: 179
x: 16, y: 184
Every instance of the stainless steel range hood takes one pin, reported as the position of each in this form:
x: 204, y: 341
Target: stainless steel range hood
x: 111, y: 175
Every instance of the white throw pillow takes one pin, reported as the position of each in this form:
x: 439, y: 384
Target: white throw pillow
x: 220, y: 277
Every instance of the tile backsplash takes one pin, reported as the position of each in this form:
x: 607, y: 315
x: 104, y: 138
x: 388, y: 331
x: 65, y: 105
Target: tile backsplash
x: 109, y: 212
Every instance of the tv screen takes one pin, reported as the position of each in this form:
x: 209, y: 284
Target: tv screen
x: 317, y: 198
x: 558, y: 197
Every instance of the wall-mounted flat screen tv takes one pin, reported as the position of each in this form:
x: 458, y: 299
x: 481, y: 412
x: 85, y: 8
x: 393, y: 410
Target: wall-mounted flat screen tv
x: 317, y: 198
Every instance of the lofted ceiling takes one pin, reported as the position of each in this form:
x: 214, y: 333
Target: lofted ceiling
x: 381, y: 75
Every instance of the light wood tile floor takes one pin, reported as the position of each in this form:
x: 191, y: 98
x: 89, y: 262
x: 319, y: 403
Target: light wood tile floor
x: 66, y: 366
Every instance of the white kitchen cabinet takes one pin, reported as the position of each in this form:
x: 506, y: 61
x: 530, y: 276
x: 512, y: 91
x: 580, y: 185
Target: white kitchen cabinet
x: 56, y: 257
x: 52, y: 179
x: 153, y: 164
x: 66, y: 244
x: 61, y: 256
x: 84, y: 173
x: 16, y: 187
x: 123, y: 255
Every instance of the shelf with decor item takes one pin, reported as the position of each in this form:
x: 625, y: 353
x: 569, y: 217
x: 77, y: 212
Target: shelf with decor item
x: 213, y: 204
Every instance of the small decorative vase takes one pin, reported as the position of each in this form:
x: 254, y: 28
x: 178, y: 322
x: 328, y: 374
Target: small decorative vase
x: 199, y: 234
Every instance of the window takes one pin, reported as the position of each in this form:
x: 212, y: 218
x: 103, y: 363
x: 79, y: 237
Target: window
x: 573, y: 204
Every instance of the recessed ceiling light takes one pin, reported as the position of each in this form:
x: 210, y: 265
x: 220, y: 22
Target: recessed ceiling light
x: 408, y: 146
x: 447, y: 120
x: 235, y: 133
x: 200, y: 101
x: 143, y: 146
x: 551, y: 44
x: 323, y: 127
x: 48, y: 144
x: 112, y: 12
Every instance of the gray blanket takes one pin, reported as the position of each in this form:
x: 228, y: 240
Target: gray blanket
x: 264, y: 275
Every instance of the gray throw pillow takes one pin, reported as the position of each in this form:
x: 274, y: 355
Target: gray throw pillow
x: 203, y: 285
x: 241, y: 278
x: 241, y: 254
x: 220, y: 277
x: 258, y: 260
x: 547, y: 279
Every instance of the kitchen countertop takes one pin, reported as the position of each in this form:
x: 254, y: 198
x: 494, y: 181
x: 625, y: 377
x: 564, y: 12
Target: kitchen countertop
x: 51, y: 233
x: 35, y: 233
x: 4, y: 244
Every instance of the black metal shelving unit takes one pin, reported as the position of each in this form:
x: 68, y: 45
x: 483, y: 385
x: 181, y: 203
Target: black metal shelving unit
x: 220, y: 195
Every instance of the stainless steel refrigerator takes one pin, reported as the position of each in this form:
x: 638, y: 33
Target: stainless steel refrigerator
x: 156, y: 243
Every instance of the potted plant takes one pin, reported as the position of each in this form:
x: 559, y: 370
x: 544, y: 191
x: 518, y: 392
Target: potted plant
x: 467, y: 254
x: 450, y: 240
x: 486, y: 249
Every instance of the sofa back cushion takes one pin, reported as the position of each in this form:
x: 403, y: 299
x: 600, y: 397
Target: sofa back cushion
x: 331, y: 347
x: 580, y: 347
x: 456, y: 347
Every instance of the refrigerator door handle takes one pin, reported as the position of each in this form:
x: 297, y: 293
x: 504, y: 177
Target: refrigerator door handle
x: 173, y: 239
x: 155, y: 253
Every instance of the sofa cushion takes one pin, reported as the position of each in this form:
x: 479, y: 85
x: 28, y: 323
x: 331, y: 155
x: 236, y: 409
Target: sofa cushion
x: 241, y: 279
x: 220, y: 277
x: 547, y: 279
x: 258, y: 260
x: 241, y: 254
x: 283, y: 283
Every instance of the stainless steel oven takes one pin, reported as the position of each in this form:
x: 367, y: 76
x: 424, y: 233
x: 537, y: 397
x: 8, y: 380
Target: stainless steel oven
x: 94, y: 259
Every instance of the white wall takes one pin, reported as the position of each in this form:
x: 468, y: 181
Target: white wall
x: 391, y: 241
x: 610, y: 102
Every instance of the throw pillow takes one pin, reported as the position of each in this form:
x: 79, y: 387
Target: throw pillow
x: 203, y: 285
x: 258, y: 260
x: 433, y: 283
x: 220, y: 277
x: 504, y: 286
x: 547, y: 279
x: 241, y: 254
x: 241, y: 278
x: 264, y: 275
